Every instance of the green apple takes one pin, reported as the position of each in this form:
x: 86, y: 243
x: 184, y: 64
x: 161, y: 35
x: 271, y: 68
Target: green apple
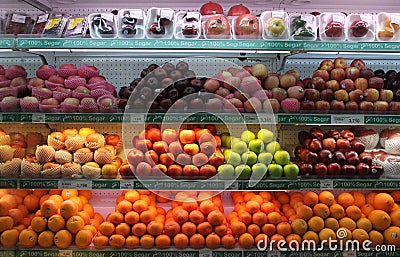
x: 243, y: 171
x: 226, y: 171
x: 272, y: 147
x: 291, y: 170
x: 276, y: 26
x: 265, y: 135
x: 249, y: 158
x: 231, y: 140
x: 275, y: 170
x: 224, y: 137
x: 247, y: 136
x: 234, y: 159
x: 282, y: 157
x: 227, y: 152
x: 265, y: 158
x: 256, y: 145
x: 259, y: 171
x: 240, y: 147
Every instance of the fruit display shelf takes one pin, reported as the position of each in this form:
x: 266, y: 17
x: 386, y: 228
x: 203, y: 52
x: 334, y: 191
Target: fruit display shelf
x: 268, y: 185
x: 203, y: 44
x: 200, y: 118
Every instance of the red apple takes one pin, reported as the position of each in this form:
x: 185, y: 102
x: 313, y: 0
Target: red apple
x: 338, y: 74
x: 334, y: 169
x: 340, y: 63
x: 358, y: 63
x: 361, y: 83
x: 332, y: 84
x: 343, y: 145
x: 327, y: 65
x: 247, y: 25
x: 329, y: 144
x: 315, y: 145
x: 352, y: 73
x: 237, y: 10
x: 211, y: 8
x: 321, y: 170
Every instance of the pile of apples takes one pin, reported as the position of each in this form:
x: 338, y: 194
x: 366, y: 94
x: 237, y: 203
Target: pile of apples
x: 333, y: 153
x: 188, y: 153
x: 68, y: 89
x: 259, y: 155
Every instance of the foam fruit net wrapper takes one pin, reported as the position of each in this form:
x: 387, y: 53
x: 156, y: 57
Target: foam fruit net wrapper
x: 74, y: 143
x: 74, y: 171
x: 11, y: 169
x: 370, y: 141
x: 6, y: 153
x: 46, y: 73
x: 5, y: 140
x: 11, y: 106
x: 29, y: 106
x: 83, y: 157
x: 63, y: 156
x: 96, y: 145
x: 55, y: 143
x: 30, y: 169
x: 60, y: 96
x: 45, y: 153
x: 19, y: 152
x: 91, y: 172
x: 392, y: 146
x: 54, y: 172
x: 103, y: 158
x: 65, y: 73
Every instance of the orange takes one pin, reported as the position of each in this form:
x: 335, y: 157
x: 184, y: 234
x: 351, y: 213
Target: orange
x: 327, y: 233
x: 216, y: 218
x: 75, y: 223
x: 360, y: 235
x: 221, y: 230
x: 283, y: 198
x: 115, y: 218
x: 311, y: 236
x: 83, y: 238
x: 85, y: 216
x: 316, y: 224
x: 274, y: 218
x: 189, y: 228
x: 106, y: 228
x: 260, y: 218
x: 245, y: 217
x: 253, y: 229
x: 9, y: 238
x: 395, y: 217
x: 267, y: 207
x: 116, y: 241
x: 56, y: 222
x: 321, y: 210
x: 380, y: 220
x: 228, y: 241
x: 304, y: 212
x: 89, y: 209
x: 326, y: 197
x: 383, y: 201
x: 336, y: 211
x: 140, y: 205
x: 206, y: 207
x: 171, y: 228
x: 147, y: 216
x: 139, y: 229
x: 155, y: 228
x: 197, y: 241
x: 57, y: 199
x: 370, y: 198
x: 376, y: 237
x: 284, y: 228
x: 68, y: 193
x: 27, y: 238
x: 162, y: 242
x: 68, y: 209
x: 180, y: 215
x: 39, y: 224
x: 196, y: 216
x: 48, y: 208
x: 4, y: 207
x: 189, y: 204
x: 100, y: 241
x: 77, y: 200
x: 310, y: 198
x: 132, y: 242
x: 246, y: 241
x: 6, y: 223
x: 293, y: 238
x: 213, y: 241
x: 131, y: 217
x: 11, y: 200
x: 348, y: 223
x: 275, y: 239
x: 181, y: 241
x: 147, y: 241
x: 367, y: 209
x: 85, y: 193
x: 252, y: 206
x: 124, y: 206
x: 205, y: 228
x: 123, y: 229
x: 91, y: 228
x: 396, y: 195
x: 16, y: 215
x: 332, y: 223
x: 353, y: 212
x: 345, y: 199
x: 365, y: 224
x: 46, y: 239
x: 359, y: 199
x: 299, y: 226
x: 32, y: 202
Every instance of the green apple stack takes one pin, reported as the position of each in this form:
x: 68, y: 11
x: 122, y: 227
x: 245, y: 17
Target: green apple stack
x: 258, y: 155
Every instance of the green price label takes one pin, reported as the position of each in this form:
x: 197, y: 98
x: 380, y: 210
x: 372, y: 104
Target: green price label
x: 6, y: 43
x: 307, y: 184
x: 38, y: 184
x: 270, y: 185
x: 227, y: 254
x: 7, y: 253
x: 8, y: 183
x: 385, y: 119
x: 304, y: 119
x: 105, y: 184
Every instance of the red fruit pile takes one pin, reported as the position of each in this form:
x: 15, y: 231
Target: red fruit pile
x: 333, y: 154
x: 188, y: 152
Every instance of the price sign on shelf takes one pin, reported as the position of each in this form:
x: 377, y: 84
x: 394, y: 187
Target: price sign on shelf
x: 126, y: 184
x: 65, y: 253
x: 349, y: 254
x: 340, y: 119
x: 326, y: 184
x: 80, y: 184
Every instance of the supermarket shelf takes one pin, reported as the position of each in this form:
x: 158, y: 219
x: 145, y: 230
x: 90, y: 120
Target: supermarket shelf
x: 153, y: 184
x: 187, y: 253
x: 248, y: 118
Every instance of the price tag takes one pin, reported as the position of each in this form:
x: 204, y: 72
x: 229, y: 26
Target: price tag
x: 79, y: 184
x: 74, y: 22
x: 107, y: 16
x: 274, y: 253
x: 137, y: 14
x: 278, y: 14
x: 307, y: 18
x: 18, y: 18
x: 395, y: 19
x: 338, y: 18
x: 38, y: 118
x: 367, y: 18
x: 137, y: 118
x: 326, y: 184
x: 65, y: 253
x: 266, y: 119
x: 43, y: 18
x: 126, y: 185
x: 193, y: 15
x: 53, y: 23
x: 349, y: 254
x: 338, y: 119
x: 167, y: 14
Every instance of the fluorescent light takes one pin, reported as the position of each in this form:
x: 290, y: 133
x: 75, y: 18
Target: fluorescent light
x: 6, y: 50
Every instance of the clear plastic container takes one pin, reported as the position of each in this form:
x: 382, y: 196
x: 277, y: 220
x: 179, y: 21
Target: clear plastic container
x: 388, y: 26
x: 216, y: 27
x: 332, y: 26
x: 187, y: 25
x: 360, y: 27
x: 76, y: 26
x: 303, y: 27
x: 246, y: 26
x: 275, y: 25
x: 160, y: 23
x: 40, y: 23
x: 18, y: 23
x: 55, y: 26
x: 102, y: 25
x: 131, y: 23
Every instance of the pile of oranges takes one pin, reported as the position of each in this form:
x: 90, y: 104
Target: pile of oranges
x: 311, y: 216
x: 48, y: 218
